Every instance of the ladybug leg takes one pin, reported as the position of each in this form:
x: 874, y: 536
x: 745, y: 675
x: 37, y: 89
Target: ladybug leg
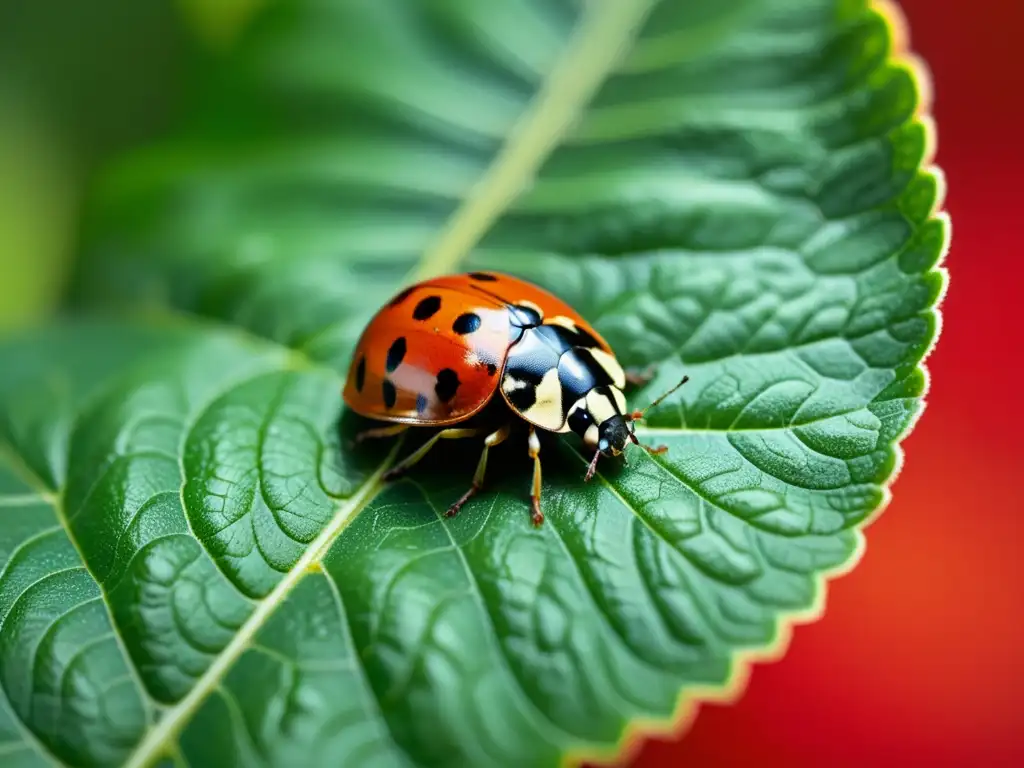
x: 388, y: 431
x: 493, y: 439
x: 534, y: 445
x: 445, y: 434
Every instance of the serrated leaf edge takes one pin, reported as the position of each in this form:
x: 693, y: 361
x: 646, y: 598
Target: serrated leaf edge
x: 689, y: 701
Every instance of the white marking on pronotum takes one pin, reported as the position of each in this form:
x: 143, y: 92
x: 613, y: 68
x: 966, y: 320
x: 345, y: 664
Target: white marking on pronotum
x: 600, y: 406
x: 510, y: 384
x: 563, y: 321
x: 620, y: 399
x: 546, y: 411
x: 531, y: 305
x: 611, y: 367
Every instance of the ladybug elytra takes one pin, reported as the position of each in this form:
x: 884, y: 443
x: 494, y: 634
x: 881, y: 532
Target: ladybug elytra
x: 438, y: 351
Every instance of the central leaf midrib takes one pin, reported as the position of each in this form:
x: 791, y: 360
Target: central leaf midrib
x: 604, y: 32
x: 174, y: 718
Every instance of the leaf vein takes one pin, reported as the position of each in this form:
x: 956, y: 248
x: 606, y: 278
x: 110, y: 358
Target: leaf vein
x: 31, y: 740
x: 371, y: 701
x: 534, y: 710
x: 16, y: 552
x: 175, y: 717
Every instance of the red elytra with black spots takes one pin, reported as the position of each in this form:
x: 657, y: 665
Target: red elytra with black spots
x: 434, y: 354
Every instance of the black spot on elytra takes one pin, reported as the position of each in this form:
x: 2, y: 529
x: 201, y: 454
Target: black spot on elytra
x: 395, y: 354
x: 421, y: 404
x: 483, y: 277
x: 447, y: 384
x: 401, y: 296
x: 361, y: 374
x: 466, y: 323
x: 426, y: 308
x: 390, y: 395
x: 491, y: 369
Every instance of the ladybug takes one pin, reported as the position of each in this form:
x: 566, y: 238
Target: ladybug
x: 439, y: 350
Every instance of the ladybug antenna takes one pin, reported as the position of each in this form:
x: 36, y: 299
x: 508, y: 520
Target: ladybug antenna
x: 637, y: 415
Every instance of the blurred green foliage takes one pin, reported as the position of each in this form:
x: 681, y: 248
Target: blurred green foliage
x: 81, y: 80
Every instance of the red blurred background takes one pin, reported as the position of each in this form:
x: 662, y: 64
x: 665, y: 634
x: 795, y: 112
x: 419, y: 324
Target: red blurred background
x: 917, y: 659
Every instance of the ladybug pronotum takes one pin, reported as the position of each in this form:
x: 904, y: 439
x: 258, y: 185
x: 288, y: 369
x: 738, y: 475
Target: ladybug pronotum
x: 438, y: 351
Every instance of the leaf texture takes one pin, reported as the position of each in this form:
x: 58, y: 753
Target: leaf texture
x: 196, y: 568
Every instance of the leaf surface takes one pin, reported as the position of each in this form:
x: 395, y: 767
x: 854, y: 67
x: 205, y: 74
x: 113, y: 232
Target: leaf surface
x: 197, y: 568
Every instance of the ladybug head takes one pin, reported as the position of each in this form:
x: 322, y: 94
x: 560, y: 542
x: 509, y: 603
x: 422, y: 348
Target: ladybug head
x: 608, y: 437
x: 613, y: 434
x: 609, y: 429
x: 599, y: 420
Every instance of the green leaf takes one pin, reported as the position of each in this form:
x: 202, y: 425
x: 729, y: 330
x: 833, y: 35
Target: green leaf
x: 197, y: 567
